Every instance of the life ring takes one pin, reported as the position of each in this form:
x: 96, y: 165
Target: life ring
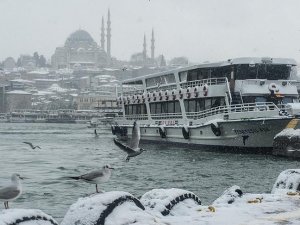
x: 173, y: 94
x: 282, y: 112
x: 215, y: 129
x: 205, y: 89
x: 186, y: 132
x: 273, y: 87
x: 180, y: 93
x: 162, y: 131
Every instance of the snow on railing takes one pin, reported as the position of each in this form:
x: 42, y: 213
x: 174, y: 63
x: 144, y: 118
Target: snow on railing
x: 211, y: 81
x: 238, y: 108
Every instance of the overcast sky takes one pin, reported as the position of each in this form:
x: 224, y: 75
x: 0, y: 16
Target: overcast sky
x: 202, y: 30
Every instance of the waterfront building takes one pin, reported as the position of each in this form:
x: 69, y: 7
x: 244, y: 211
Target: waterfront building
x: 96, y: 100
x: 18, y: 100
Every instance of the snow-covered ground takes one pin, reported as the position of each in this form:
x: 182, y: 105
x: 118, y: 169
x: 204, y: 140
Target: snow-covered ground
x: 177, y: 207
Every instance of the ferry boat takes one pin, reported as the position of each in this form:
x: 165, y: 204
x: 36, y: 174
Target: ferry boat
x: 238, y: 103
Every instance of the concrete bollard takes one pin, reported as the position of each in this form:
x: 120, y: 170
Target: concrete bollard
x: 26, y: 217
x: 110, y: 208
x: 161, y: 201
x: 287, y: 181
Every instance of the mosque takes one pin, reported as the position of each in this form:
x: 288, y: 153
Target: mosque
x: 81, y: 51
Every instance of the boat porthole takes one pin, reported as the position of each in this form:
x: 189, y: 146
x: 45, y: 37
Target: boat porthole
x: 201, y: 132
x: 145, y: 130
x: 157, y: 131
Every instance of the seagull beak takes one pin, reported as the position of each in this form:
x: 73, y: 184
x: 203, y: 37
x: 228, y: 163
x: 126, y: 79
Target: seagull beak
x: 22, y: 178
x: 111, y: 168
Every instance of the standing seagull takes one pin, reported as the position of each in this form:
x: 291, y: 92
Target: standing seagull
x: 96, y: 176
x: 12, y: 191
x: 133, y: 149
x: 31, y: 145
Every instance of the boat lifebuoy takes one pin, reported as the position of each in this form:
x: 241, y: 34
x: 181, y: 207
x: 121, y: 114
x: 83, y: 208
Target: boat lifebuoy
x: 273, y: 87
x: 180, y: 93
x: 205, y: 89
x: 282, y: 112
x: 215, y: 129
x: 162, y: 132
x: 186, y: 132
x: 173, y: 94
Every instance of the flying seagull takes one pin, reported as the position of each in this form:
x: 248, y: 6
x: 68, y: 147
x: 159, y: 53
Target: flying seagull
x: 31, y: 145
x: 133, y: 149
x: 96, y: 176
x: 12, y: 191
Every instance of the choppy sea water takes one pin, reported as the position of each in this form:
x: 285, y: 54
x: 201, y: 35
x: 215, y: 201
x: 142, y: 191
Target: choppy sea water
x: 72, y: 149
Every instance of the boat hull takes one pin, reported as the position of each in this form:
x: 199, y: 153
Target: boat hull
x: 256, y: 133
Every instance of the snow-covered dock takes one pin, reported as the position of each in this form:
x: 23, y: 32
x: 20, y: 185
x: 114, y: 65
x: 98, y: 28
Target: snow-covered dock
x: 177, y: 206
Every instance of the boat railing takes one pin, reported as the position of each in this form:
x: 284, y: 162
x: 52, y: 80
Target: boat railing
x: 210, y: 81
x: 164, y: 87
x: 133, y: 92
x: 238, y: 108
x: 135, y: 117
x: 166, y: 116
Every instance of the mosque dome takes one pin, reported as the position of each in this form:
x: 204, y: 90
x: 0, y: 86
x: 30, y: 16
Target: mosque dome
x: 79, y: 36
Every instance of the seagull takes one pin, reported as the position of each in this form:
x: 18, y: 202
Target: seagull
x: 31, y: 145
x: 124, y: 68
x: 133, y: 149
x: 96, y: 176
x: 12, y: 191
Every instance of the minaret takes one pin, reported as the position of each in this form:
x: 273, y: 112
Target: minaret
x: 108, y: 37
x: 152, y: 46
x: 145, y: 49
x: 102, y: 34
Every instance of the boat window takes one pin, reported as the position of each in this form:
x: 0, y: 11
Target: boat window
x: 135, y: 109
x: 160, y: 80
x: 207, y: 103
x: 224, y: 71
x: 286, y: 100
x: 183, y: 76
x: 177, y: 107
x: 165, y: 107
x: 171, y: 108
x: 197, y: 105
x: 260, y: 99
x: 195, y: 74
x: 262, y: 71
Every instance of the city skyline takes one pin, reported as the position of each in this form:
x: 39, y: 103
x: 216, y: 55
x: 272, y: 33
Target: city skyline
x: 200, y: 30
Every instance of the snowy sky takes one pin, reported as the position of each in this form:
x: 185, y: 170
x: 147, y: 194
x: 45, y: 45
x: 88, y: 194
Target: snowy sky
x: 202, y: 30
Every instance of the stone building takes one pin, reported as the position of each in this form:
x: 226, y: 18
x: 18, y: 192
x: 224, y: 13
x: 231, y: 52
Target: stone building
x: 18, y: 100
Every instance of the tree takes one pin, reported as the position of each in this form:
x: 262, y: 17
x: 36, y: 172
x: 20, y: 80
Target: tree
x: 36, y: 58
x: 42, y: 61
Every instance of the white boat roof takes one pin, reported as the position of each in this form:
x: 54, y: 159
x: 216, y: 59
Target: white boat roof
x: 235, y: 61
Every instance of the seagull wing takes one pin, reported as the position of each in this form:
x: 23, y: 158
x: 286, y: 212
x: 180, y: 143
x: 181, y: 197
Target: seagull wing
x: 125, y: 148
x: 9, y: 193
x: 92, y: 175
x: 135, y: 139
x: 29, y: 143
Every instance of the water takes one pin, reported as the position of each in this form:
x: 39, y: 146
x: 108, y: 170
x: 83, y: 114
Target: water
x: 72, y: 149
